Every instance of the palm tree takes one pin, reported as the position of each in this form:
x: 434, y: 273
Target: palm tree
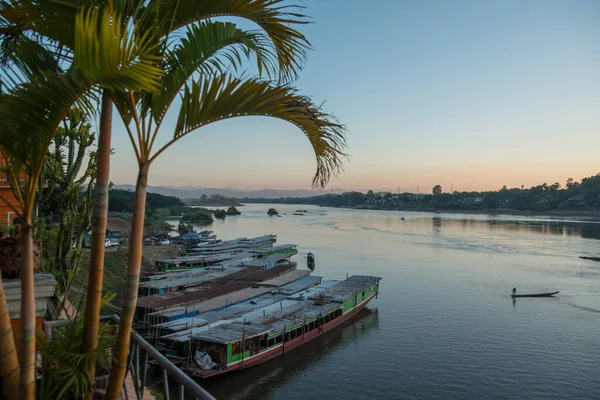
x: 51, y: 23
x: 195, y: 63
x: 105, y: 51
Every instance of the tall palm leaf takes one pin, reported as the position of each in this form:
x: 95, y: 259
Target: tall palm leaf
x: 212, y: 99
x: 105, y: 51
x: 274, y: 17
x: 208, y: 50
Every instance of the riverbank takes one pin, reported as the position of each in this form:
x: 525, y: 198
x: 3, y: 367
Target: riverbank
x: 115, y: 263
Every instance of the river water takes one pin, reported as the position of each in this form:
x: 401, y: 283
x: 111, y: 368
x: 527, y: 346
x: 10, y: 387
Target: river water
x: 443, y: 326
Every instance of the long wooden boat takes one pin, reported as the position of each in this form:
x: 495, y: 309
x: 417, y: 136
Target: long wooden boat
x: 234, y: 346
x: 590, y: 258
x: 550, y: 294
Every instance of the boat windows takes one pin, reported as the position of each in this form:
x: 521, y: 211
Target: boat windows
x: 235, y: 348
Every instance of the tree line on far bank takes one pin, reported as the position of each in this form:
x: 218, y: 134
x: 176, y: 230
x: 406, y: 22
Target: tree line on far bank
x: 159, y: 207
x: 578, y: 195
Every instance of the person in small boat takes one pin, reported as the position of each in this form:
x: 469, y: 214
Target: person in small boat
x: 514, y: 292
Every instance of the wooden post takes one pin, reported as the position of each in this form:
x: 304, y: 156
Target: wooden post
x: 355, y: 301
x: 283, y: 340
x: 303, y: 329
x: 243, y: 343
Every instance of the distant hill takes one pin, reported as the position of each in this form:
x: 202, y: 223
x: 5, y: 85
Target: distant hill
x: 186, y: 192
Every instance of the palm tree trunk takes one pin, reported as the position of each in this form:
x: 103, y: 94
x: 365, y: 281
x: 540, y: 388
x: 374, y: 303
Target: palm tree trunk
x: 27, y: 339
x: 99, y: 221
x: 134, y: 261
x: 9, y: 363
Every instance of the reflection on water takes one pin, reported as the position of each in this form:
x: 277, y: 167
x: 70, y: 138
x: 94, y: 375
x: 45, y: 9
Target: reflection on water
x: 436, y: 222
x: 259, y: 381
x: 587, y: 230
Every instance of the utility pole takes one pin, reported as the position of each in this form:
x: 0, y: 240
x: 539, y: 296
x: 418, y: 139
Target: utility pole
x: 451, y: 188
x: 398, y: 189
x: 417, y: 190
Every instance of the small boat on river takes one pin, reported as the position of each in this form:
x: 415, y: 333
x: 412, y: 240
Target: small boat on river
x: 590, y: 258
x: 549, y: 294
x: 310, y: 261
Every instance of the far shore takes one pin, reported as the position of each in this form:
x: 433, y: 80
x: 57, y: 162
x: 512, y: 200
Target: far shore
x: 584, y: 214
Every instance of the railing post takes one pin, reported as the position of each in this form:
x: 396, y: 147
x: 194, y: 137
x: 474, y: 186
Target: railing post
x: 125, y: 391
x: 166, y: 383
x: 137, y: 365
x: 144, y: 374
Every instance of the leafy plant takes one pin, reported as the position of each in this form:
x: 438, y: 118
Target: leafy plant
x: 64, y: 369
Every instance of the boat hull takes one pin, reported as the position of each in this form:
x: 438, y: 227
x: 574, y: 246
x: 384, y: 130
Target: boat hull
x: 535, y: 295
x: 284, y: 348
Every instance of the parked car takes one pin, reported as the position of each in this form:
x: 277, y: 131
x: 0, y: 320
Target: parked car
x: 164, y: 242
x: 109, y: 243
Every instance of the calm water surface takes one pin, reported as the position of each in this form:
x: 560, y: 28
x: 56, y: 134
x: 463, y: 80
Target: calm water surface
x: 443, y: 326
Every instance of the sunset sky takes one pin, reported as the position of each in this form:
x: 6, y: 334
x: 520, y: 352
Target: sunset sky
x: 474, y: 94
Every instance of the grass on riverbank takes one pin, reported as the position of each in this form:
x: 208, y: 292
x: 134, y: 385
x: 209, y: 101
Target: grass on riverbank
x: 115, y: 266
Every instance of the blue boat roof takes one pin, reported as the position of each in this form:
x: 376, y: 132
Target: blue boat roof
x: 300, y: 284
x: 304, y: 286
x: 291, y: 316
x: 241, y: 313
x: 195, y: 235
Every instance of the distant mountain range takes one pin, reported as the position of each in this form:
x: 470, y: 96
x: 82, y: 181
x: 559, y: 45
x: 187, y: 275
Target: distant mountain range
x: 187, y: 192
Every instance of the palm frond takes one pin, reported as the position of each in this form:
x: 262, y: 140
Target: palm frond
x: 217, y: 98
x: 274, y: 17
x: 53, y: 20
x: 208, y: 48
x: 109, y: 50
x: 31, y: 114
x: 23, y: 59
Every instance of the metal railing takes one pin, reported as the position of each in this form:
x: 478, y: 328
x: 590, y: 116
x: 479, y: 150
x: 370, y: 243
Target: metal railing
x: 139, y: 376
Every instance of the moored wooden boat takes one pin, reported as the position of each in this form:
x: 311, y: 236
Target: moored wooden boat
x: 239, y: 345
x: 549, y: 294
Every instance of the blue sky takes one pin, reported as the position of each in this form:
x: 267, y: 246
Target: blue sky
x: 474, y: 94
